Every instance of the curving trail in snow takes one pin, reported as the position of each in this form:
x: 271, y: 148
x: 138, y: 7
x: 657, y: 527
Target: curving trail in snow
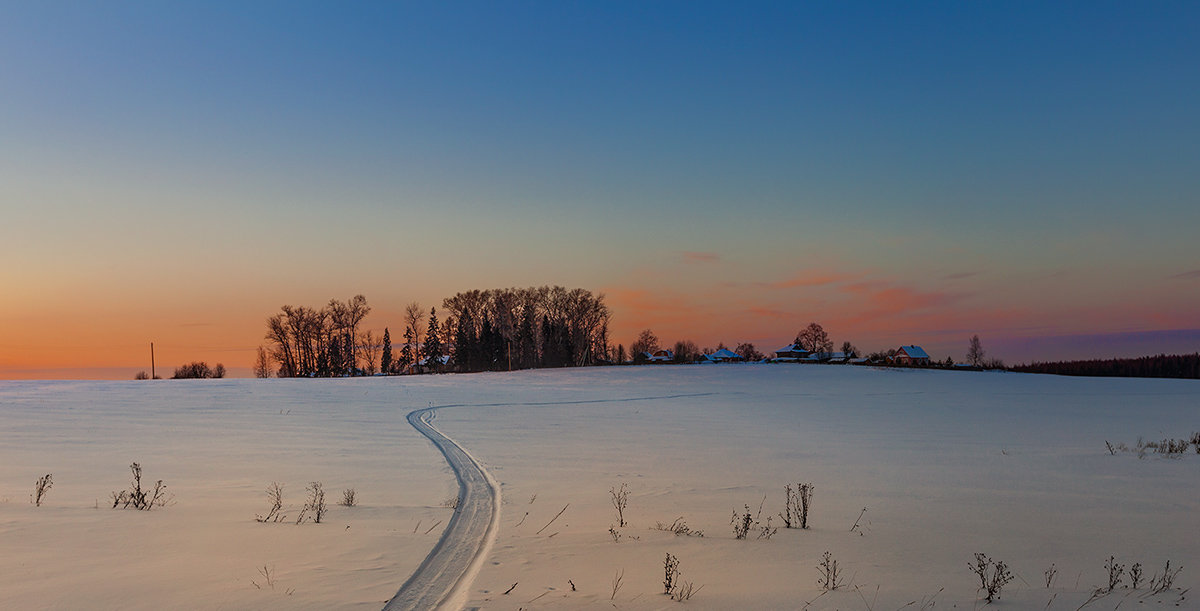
x: 442, y: 580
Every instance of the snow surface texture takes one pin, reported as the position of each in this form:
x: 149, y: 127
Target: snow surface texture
x: 947, y: 464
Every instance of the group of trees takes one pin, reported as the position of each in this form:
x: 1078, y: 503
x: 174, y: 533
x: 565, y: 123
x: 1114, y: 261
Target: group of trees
x: 812, y: 338
x: 1161, y: 366
x: 308, y: 342
x: 505, y: 329
x: 198, y: 370
x: 499, y: 329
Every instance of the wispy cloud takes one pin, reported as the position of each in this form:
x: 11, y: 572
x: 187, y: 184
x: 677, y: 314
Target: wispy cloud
x: 812, y: 278
x: 960, y: 276
x: 1192, y: 275
x: 700, y: 257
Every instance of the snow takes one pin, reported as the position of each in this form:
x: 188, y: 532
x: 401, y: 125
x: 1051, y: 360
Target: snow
x: 947, y: 463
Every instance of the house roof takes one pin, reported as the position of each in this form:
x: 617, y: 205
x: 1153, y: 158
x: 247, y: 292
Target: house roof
x: 725, y: 353
x: 791, y: 348
x: 915, y: 352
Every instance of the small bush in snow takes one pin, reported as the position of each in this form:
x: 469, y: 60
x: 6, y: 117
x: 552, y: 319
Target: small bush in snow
x: 993, y: 576
x: 830, y: 574
x: 1166, y: 581
x: 138, y: 498
x: 41, y: 487
x: 314, y: 509
x: 679, y: 527
x: 1115, y: 571
x: 745, y: 522
x: 275, y: 495
x: 670, y: 573
x: 620, y: 500
x: 348, y: 498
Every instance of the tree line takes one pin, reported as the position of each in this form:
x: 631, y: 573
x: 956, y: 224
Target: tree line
x: 499, y: 329
x: 1161, y: 366
x: 812, y: 338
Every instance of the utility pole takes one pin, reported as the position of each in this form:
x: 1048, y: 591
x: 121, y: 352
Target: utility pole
x: 152, y: 376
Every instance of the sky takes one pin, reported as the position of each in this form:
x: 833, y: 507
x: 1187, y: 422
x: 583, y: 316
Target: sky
x: 722, y: 172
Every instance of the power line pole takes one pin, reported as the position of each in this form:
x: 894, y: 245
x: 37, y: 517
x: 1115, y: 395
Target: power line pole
x: 152, y: 376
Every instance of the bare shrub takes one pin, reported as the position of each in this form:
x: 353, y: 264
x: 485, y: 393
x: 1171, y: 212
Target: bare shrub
x: 41, y: 487
x: 1135, y: 574
x: 268, y: 575
x: 620, y: 500
x: 616, y: 582
x: 744, y: 522
x: 348, y: 498
x: 993, y: 576
x: 1159, y: 584
x: 1115, y: 571
x: 804, y: 491
x: 670, y: 573
x: 684, y: 590
x: 315, y: 504
x: 767, y: 531
x: 830, y: 574
x: 1050, y: 574
x: 275, y: 496
x: 790, y: 513
x: 679, y: 527
x: 858, y: 522
x: 142, y: 375
x: 138, y: 498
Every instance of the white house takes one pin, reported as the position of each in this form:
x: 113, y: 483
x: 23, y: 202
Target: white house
x: 725, y: 355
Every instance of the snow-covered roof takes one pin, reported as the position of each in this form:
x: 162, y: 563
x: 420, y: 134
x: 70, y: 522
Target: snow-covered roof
x: 915, y: 352
x: 791, y: 348
x: 725, y: 353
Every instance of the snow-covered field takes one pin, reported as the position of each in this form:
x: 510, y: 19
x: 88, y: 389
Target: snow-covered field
x: 946, y: 464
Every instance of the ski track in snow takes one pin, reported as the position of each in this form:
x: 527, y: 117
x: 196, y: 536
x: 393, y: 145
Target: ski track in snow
x: 442, y: 580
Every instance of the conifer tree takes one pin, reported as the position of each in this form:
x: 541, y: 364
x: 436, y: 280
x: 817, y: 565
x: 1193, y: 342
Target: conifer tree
x: 464, y: 344
x: 385, y: 361
x: 433, y: 343
x: 406, y: 353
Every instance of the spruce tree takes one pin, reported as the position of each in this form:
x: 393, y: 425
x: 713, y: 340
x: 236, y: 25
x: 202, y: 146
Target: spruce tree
x: 433, y: 343
x: 464, y: 344
x: 406, y: 353
x: 385, y: 361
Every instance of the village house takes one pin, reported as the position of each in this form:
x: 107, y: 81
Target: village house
x: 791, y: 352
x: 911, y: 355
x: 662, y: 356
x: 725, y: 355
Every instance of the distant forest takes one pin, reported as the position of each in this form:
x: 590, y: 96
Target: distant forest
x: 492, y: 330
x: 1161, y: 366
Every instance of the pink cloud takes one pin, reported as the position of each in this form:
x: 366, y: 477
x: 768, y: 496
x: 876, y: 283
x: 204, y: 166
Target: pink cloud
x: 812, y: 278
x: 700, y: 257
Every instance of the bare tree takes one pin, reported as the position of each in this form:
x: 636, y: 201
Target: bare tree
x: 748, y: 352
x: 414, y: 315
x: 849, y: 350
x: 262, y: 364
x: 686, y: 351
x: 975, y: 352
x: 814, y: 339
x: 646, y: 343
x: 368, y: 351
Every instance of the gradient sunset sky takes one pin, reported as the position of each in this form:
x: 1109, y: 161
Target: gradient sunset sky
x: 899, y: 172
